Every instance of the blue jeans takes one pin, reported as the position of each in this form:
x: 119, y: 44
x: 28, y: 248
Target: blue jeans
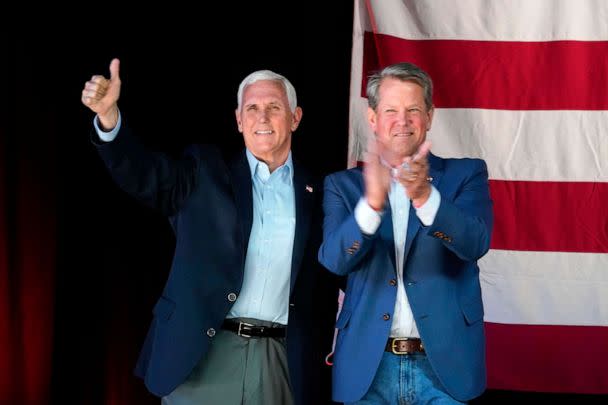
x: 405, y: 380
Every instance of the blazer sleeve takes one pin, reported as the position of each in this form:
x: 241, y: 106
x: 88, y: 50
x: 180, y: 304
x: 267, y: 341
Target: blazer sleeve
x: 464, y: 219
x: 153, y: 178
x: 344, y: 246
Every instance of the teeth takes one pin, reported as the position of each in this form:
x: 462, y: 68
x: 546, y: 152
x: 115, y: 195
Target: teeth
x: 263, y: 132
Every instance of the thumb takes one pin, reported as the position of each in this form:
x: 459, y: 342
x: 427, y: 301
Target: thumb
x: 423, y: 150
x: 114, y: 69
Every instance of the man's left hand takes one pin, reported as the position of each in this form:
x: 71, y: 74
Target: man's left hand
x: 415, y: 178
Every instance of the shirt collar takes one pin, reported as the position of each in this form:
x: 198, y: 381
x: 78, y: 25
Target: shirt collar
x: 254, y: 165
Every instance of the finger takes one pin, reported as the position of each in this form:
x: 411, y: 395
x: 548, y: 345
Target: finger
x: 371, y: 156
x: 86, y: 99
x: 99, y: 79
x: 410, y: 177
x: 422, y: 151
x: 99, y: 87
x: 115, y: 69
x: 91, y: 96
x: 372, y: 146
x: 92, y: 93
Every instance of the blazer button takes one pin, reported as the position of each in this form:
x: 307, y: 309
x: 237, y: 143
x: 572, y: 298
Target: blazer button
x: 232, y: 297
x: 211, y: 332
x: 386, y: 317
x: 393, y: 282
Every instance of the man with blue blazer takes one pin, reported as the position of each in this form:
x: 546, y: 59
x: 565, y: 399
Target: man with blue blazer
x: 247, y: 313
x: 408, y: 230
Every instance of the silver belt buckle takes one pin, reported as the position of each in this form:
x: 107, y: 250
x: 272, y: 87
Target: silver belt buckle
x: 244, y: 325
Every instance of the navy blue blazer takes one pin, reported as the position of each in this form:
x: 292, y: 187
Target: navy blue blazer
x: 209, y: 203
x: 441, y: 278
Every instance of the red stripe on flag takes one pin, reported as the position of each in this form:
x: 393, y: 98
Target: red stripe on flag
x: 550, y: 216
x: 547, y: 358
x: 556, y: 75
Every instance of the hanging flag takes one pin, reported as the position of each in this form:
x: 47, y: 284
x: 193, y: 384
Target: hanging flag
x: 524, y: 86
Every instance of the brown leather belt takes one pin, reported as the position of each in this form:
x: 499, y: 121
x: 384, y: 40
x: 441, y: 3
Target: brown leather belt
x: 249, y: 330
x: 404, y: 346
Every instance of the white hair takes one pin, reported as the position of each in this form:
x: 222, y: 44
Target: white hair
x: 268, y: 75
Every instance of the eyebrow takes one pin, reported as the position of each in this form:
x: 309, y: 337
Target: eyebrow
x: 274, y: 102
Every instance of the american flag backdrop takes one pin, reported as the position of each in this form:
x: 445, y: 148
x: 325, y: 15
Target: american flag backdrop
x: 522, y: 84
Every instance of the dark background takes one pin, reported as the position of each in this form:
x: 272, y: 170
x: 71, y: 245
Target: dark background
x: 180, y: 76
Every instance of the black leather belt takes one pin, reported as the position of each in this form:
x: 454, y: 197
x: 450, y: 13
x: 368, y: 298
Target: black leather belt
x: 250, y: 330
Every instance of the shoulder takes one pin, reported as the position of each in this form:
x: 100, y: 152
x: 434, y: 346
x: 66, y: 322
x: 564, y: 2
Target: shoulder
x: 459, y: 164
x: 345, y: 178
x: 206, y: 156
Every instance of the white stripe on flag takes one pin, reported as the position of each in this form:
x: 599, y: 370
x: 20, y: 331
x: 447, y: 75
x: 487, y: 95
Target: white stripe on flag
x: 545, y: 288
x: 526, y: 145
x: 513, y: 20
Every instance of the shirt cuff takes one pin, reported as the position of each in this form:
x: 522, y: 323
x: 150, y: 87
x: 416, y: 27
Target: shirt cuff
x: 426, y: 213
x: 367, y: 218
x: 110, y: 135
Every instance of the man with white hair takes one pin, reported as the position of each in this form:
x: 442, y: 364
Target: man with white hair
x: 246, y: 316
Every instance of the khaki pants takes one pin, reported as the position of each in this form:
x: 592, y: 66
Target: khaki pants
x: 238, y: 371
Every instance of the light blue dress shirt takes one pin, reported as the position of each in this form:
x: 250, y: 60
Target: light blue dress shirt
x: 110, y: 135
x: 265, y: 291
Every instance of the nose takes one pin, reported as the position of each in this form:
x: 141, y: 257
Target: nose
x: 263, y: 116
x: 405, y: 117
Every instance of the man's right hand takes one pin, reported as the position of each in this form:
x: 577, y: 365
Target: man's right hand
x: 101, y: 96
x: 376, y: 176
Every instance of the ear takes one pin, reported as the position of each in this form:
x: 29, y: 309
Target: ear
x: 239, y: 124
x: 372, y: 119
x: 296, y: 117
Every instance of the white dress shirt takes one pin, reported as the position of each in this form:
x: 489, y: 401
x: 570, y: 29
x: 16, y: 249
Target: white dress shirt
x: 369, y: 220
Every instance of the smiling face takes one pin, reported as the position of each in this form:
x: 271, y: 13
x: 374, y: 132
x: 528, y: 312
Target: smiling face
x: 401, y: 119
x: 266, y: 121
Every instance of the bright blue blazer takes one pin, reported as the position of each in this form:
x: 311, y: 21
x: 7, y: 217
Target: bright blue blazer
x: 440, y: 273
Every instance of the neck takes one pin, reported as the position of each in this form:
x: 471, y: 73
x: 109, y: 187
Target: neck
x: 391, y: 161
x: 273, y: 162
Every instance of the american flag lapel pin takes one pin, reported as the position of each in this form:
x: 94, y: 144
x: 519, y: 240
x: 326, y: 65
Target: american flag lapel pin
x: 308, y: 188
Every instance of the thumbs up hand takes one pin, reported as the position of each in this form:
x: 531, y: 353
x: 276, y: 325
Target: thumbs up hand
x: 101, y: 96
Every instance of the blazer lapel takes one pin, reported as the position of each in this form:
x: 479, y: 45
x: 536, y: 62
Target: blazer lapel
x: 413, y: 225
x: 435, y: 169
x: 242, y: 186
x: 304, y: 196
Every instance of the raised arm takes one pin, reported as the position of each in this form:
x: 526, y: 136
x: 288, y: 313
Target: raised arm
x: 154, y: 178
